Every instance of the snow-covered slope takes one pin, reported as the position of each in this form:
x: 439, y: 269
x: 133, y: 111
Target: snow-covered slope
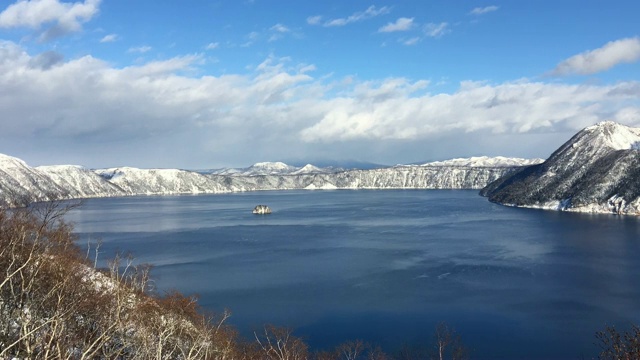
x: 19, y: 181
x: 135, y: 181
x: 485, y: 161
x: 311, y: 169
x: 78, y: 182
x: 399, y: 177
x: 270, y: 168
x: 597, y: 170
x: 21, y: 184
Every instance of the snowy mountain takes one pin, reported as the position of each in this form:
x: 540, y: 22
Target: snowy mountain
x: 311, y: 169
x: 21, y: 184
x: 135, y: 181
x: 79, y: 182
x: 20, y: 181
x: 597, y: 170
x: 485, y: 161
x: 271, y: 168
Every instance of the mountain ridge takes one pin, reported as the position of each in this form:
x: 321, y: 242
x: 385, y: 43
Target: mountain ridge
x: 597, y: 170
x: 20, y: 183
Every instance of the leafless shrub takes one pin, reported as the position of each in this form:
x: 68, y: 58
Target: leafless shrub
x: 616, y: 345
x: 55, y: 305
x: 278, y: 343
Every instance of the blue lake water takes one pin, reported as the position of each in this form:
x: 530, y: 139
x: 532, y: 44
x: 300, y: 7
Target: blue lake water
x: 387, y: 265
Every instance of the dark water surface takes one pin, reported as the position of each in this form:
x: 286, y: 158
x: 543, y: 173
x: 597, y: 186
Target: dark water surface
x: 387, y: 266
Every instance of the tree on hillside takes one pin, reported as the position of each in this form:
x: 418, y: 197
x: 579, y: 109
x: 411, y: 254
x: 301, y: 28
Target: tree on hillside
x: 55, y: 305
x: 448, y: 344
x: 279, y: 343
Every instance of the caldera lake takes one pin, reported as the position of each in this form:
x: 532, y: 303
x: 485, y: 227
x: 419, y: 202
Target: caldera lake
x: 386, y: 266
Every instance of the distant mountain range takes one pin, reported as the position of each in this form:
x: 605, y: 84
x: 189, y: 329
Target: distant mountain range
x: 280, y: 168
x: 272, y: 168
x: 20, y: 183
x: 597, y: 170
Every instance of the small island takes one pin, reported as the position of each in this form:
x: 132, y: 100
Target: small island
x: 261, y: 210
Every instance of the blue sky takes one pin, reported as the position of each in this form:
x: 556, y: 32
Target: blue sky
x: 205, y: 84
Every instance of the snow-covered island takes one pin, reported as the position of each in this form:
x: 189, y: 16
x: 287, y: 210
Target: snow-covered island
x: 262, y: 210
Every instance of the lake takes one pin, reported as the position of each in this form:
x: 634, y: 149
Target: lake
x: 386, y: 266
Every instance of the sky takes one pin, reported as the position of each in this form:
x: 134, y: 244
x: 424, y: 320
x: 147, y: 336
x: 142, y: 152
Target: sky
x: 207, y: 84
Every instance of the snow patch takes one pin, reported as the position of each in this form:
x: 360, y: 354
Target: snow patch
x: 308, y: 169
x: 326, y: 186
x: 59, y: 168
x: 616, y: 136
x: 485, y: 161
x: 271, y: 168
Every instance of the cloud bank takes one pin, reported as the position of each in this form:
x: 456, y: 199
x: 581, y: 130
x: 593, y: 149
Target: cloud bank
x: 591, y: 62
x: 277, y: 107
x: 58, y: 18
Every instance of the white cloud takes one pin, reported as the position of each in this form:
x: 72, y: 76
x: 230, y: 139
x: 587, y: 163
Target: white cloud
x: 212, y: 46
x: 411, y: 41
x: 402, y: 24
x: 389, y: 110
x: 280, y: 28
x: 483, y: 10
x: 58, y: 18
x: 601, y: 59
x: 436, y: 30
x: 139, y: 49
x: 252, y: 37
x: 314, y: 20
x: 86, y: 105
x: 277, y: 32
x: 628, y: 115
x: 306, y: 68
x: 109, y: 38
x: 46, y: 60
x: 370, y: 12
